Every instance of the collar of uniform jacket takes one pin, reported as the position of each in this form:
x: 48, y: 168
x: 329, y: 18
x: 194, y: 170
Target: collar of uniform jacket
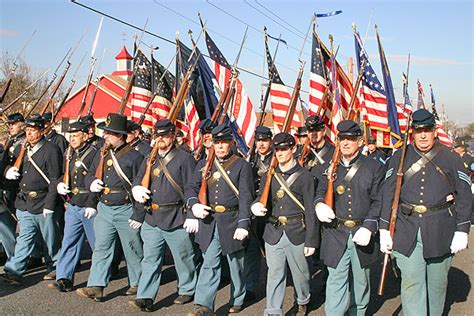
x: 350, y: 162
x: 82, y: 149
x: 116, y: 150
x: 166, y: 153
x: 37, y: 146
x: 225, y: 158
x: 289, y: 171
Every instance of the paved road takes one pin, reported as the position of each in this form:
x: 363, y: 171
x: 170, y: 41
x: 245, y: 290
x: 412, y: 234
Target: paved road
x: 35, y: 298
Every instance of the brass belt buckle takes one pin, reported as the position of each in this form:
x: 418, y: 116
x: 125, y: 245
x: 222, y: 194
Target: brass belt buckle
x: 75, y: 191
x: 219, y: 208
x: 32, y: 194
x: 420, y: 209
x: 349, y: 223
x: 106, y: 190
x: 283, y: 220
x: 155, y: 207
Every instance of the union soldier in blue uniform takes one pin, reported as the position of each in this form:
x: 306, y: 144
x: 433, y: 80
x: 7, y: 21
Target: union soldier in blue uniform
x: 90, y: 122
x: 223, y: 224
x: 35, y: 202
x: 166, y: 220
x: 291, y: 229
x: 80, y: 209
x: 134, y: 140
x: 348, y: 239
x: 253, y: 257
x: 121, y: 165
x: 302, y: 135
x: 433, y: 220
x: 181, y: 141
x: 205, y: 128
x: 51, y: 134
x: 376, y: 153
x: 9, y: 189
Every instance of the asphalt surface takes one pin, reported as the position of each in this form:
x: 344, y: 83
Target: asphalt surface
x: 34, y: 298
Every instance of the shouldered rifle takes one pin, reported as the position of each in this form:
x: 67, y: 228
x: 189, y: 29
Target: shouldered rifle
x: 99, y: 172
x: 8, y: 81
x: 395, y: 203
x: 66, y: 167
x: 55, y: 90
x: 286, y: 128
x: 91, y: 101
x: 45, y: 90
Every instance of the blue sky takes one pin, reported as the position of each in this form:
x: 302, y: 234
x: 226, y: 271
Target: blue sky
x: 437, y: 34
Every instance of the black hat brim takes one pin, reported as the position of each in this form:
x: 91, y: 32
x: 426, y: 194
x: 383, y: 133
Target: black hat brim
x: 108, y: 129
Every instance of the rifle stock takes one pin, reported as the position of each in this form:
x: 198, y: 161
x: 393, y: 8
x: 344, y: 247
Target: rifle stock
x: 21, y: 154
x: 66, y: 167
x: 286, y: 128
x: 394, y: 213
x: 99, y: 172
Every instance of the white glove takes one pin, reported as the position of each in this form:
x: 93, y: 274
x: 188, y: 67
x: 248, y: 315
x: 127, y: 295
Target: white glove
x: 258, y: 209
x: 12, y: 173
x: 200, y: 210
x: 191, y: 225
x: 62, y: 188
x: 46, y: 212
x: 386, y: 242
x: 89, y: 212
x: 362, y: 236
x: 240, y: 234
x: 140, y: 194
x: 134, y: 224
x: 97, y: 185
x: 309, y: 251
x: 459, y: 242
x: 324, y: 212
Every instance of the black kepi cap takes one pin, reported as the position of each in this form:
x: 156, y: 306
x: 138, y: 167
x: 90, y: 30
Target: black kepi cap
x: 423, y: 118
x: 87, y: 119
x: 47, y: 116
x: 206, y: 126
x: 35, y: 120
x: 163, y: 127
x: 314, y: 123
x: 222, y: 132
x: 132, y: 126
x: 302, y: 131
x: 348, y: 128
x: 263, y: 132
x: 77, y: 127
x: 15, y: 117
x: 283, y: 140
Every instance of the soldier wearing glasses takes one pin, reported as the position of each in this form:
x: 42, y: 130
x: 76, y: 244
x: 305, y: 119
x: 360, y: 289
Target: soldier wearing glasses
x: 433, y: 220
x: 348, y: 231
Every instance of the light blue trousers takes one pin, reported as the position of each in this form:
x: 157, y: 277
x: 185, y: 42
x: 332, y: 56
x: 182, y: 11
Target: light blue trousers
x: 8, y: 233
x: 111, y: 221
x: 424, y: 281
x: 154, y: 241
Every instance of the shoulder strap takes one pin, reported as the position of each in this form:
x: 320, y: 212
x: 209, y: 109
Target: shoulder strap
x: 350, y: 174
x: 33, y: 163
x: 285, y: 185
x: 420, y: 163
x: 224, y: 174
x: 163, y: 166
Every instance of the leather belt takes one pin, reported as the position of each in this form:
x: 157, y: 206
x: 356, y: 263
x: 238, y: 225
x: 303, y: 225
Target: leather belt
x: 156, y: 207
x: 77, y: 190
x: 222, y: 209
x: 349, y: 223
x: 108, y: 190
x: 33, y: 194
x: 408, y: 208
x: 284, y: 219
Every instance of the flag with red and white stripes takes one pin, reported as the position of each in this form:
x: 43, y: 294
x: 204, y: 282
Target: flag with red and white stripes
x: 280, y: 98
x: 192, y: 123
x: 242, y: 109
x: 421, y: 94
x: 317, y: 78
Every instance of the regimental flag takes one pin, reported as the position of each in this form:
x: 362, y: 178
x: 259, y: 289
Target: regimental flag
x: 141, y: 88
x: 372, y: 97
x: 443, y: 137
x: 392, y: 115
x: 317, y: 78
x: 280, y: 98
x: 344, y: 86
x: 242, y: 109
x: 421, y: 95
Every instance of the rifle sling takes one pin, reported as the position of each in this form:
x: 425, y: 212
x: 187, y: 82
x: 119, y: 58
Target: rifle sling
x: 222, y: 169
x: 285, y: 185
x: 125, y: 181
x: 163, y: 162
x: 347, y: 179
x: 420, y: 163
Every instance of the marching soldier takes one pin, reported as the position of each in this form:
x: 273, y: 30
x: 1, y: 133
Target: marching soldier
x: 468, y: 161
x: 166, y: 221
x: 291, y: 230
x: 433, y: 221
x: 38, y: 174
x: 376, y: 153
x: 134, y: 140
x: 81, y: 206
x: 224, y: 223
x: 120, y: 166
x: 205, y: 127
x: 9, y: 189
x: 348, y: 241
x: 263, y: 138
x: 181, y: 141
x: 302, y: 135
x: 51, y: 134
x: 95, y: 140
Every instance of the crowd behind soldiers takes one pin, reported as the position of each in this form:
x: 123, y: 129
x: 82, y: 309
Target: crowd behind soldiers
x: 93, y: 189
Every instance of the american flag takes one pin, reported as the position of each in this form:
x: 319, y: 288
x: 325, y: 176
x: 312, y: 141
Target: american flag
x: 141, y: 89
x: 373, y: 98
x: 336, y: 115
x: 242, y: 109
x: 443, y: 137
x: 192, y: 123
x: 279, y: 96
x: 318, y: 84
x: 161, y: 105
